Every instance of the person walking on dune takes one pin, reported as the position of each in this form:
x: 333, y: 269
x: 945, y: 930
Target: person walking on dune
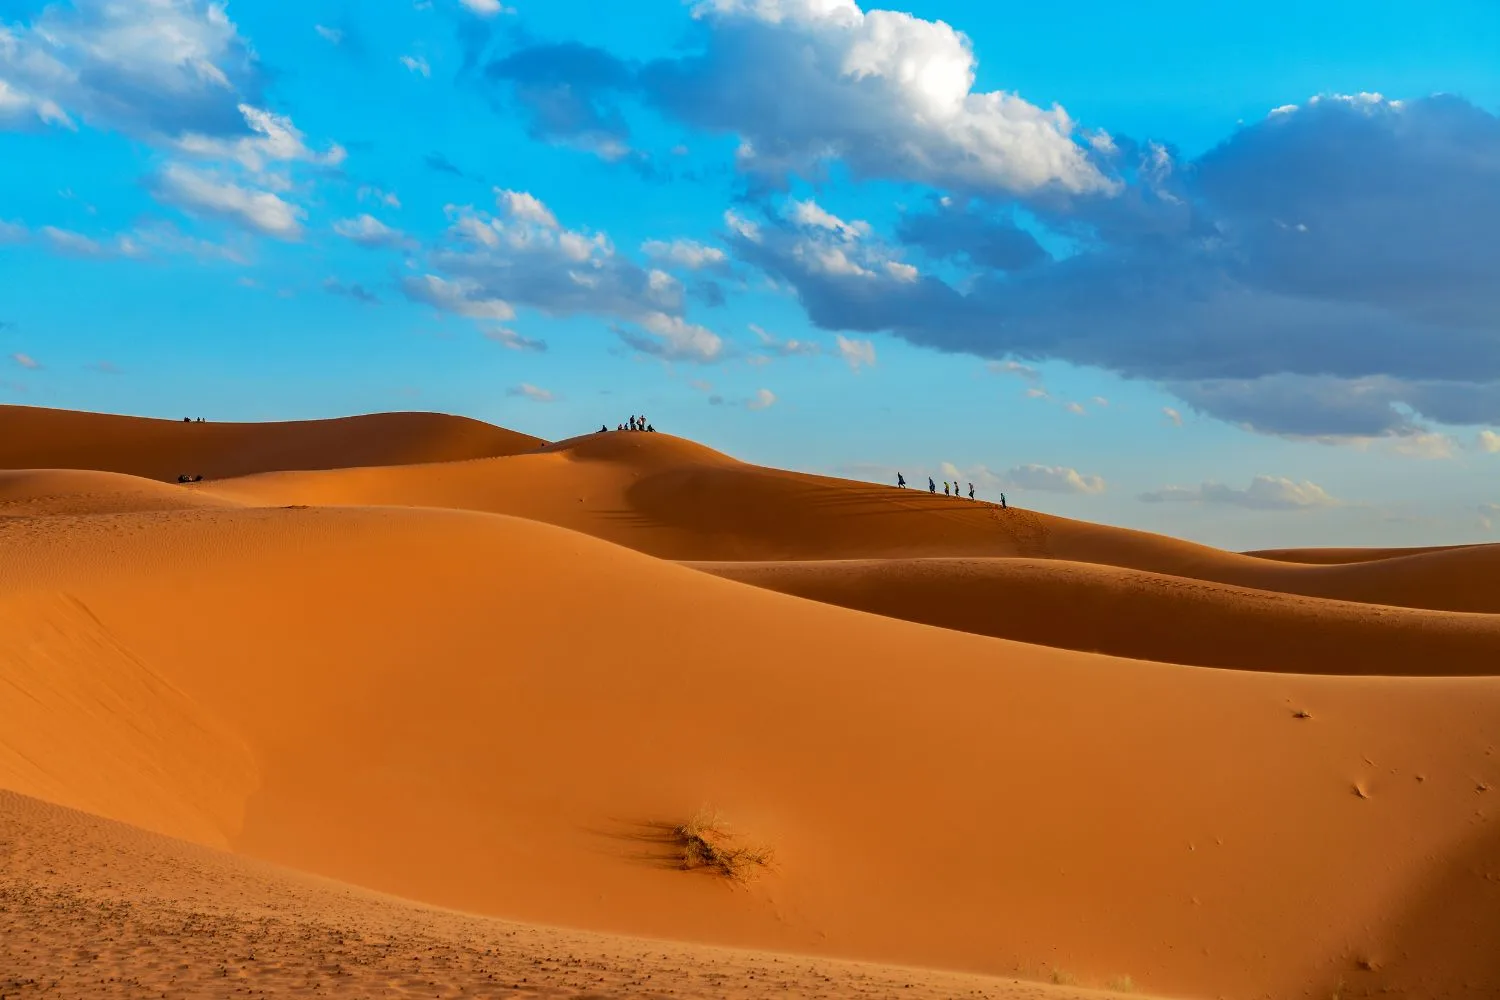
x: 1002, y: 502
x: 971, y: 491
x: 945, y: 488
x: 931, y: 486
x: 900, y: 481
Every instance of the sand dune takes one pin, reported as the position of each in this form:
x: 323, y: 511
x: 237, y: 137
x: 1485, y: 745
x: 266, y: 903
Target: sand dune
x: 1149, y: 616
x: 36, y: 438
x: 677, y: 500
x: 49, y: 492
x: 1324, y: 557
x: 91, y: 908
x: 488, y: 713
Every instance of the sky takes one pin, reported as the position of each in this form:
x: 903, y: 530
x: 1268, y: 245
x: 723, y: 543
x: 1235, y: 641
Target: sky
x: 1226, y: 272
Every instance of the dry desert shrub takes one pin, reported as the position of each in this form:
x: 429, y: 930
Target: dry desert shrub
x: 704, y: 843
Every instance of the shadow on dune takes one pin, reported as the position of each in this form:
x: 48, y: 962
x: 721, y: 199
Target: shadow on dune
x: 1445, y: 944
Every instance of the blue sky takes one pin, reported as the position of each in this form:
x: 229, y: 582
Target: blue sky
x: 1228, y: 275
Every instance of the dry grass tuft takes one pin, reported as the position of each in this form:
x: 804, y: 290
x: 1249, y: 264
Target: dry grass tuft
x: 1063, y: 978
x: 1122, y: 984
x: 704, y: 843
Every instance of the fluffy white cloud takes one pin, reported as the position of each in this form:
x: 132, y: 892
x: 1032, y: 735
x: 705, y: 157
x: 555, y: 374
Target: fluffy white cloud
x: 513, y: 341
x: 1051, y: 479
x: 150, y: 68
x: 25, y: 361
x: 1015, y: 368
x: 674, y: 339
x: 686, y: 254
x: 1427, y: 445
x: 368, y: 231
x: 528, y: 391
x: 368, y: 192
x: 773, y: 345
x: 273, y: 140
x: 1489, y: 442
x: 202, y: 193
x: 1263, y: 493
x: 803, y: 82
x: 1173, y: 417
x: 417, y: 65
x: 763, y: 399
x: 462, y: 298
x: 486, y: 8
x: 526, y: 207
x: 857, y: 354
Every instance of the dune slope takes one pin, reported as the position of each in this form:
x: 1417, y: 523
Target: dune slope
x: 37, y: 438
x: 497, y: 715
x: 1125, y: 612
x: 92, y: 908
x: 677, y: 500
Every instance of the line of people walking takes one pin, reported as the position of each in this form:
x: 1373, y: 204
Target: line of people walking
x: 949, y: 489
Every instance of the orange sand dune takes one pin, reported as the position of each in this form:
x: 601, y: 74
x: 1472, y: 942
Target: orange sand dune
x: 49, y: 492
x: 35, y: 438
x: 491, y: 714
x: 92, y: 908
x: 1125, y: 612
x: 678, y: 500
x: 1331, y: 556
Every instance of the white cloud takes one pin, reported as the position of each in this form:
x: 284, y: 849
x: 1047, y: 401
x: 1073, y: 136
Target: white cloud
x: 1263, y: 493
x: 203, y: 193
x: 1172, y: 415
x: 527, y: 258
x: 486, y: 8
x: 1051, y: 479
x: 771, y: 344
x: 513, y: 341
x: 416, y: 64
x: 275, y: 141
x: 332, y: 35
x: 1489, y: 513
x: 1100, y: 401
x: 150, y: 68
x: 1423, y: 445
x: 857, y: 354
x: 368, y: 231
x: 763, y: 399
x: 25, y: 361
x: 891, y: 94
x: 1076, y: 408
x: 526, y: 207
x: 12, y: 232
x: 463, y: 298
x: 686, y: 254
x: 810, y: 213
x: 674, y: 339
x: 1037, y: 392
x: 1015, y: 368
x: 528, y: 391
x: 1489, y: 442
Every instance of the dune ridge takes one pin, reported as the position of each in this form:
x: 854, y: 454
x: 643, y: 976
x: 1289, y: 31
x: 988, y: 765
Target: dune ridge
x: 39, y: 438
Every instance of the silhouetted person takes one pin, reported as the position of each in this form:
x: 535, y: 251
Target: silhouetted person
x: 650, y: 429
x: 900, y: 481
x: 1002, y: 502
x: 945, y: 487
x: 931, y: 486
x: 971, y: 491
x: 603, y: 428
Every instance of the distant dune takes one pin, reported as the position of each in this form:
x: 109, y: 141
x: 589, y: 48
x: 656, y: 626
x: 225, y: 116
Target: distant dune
x: 487, y: 685
x: 36, y: 438
x: 1126, y: 612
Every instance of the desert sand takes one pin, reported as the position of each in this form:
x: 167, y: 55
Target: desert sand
x: 450, y: 695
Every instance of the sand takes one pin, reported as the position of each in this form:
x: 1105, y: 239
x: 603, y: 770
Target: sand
x: 489, y: 686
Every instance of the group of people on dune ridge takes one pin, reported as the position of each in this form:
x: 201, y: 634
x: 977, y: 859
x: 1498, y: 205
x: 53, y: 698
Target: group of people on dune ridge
x: 948, y: 489
x: 633, y: 424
